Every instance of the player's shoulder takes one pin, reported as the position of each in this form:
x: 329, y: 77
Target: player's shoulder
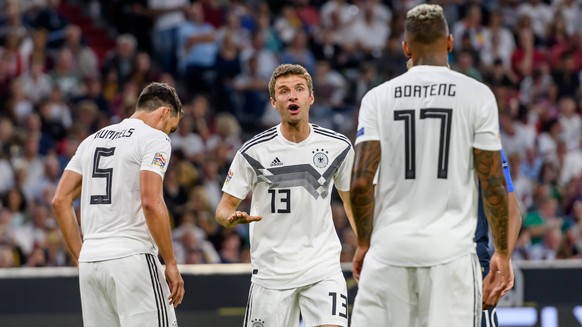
x: 476, y: 87
x: 259, y: 139
x: 330, y: 134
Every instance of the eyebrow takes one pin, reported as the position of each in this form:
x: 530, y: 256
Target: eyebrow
x: 295, y: 85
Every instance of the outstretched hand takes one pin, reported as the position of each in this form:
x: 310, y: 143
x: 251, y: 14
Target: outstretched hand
x: 498, y: 281
x: 241, y: 217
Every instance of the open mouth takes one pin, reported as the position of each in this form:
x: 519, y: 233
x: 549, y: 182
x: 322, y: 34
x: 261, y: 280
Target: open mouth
x: 293, y: 108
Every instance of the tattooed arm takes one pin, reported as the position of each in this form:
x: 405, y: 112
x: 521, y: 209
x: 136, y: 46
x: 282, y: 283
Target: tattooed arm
x: 366, y: 163
x: 495, y: 202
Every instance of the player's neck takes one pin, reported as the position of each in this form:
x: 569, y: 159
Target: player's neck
x: 295, y: 132
x: 431, y: 60
x: 147, y: 117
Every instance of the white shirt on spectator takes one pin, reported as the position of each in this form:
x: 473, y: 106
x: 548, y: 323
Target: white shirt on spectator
x: 190, y: 143
x: 170, y: 19
x: 540, y: 15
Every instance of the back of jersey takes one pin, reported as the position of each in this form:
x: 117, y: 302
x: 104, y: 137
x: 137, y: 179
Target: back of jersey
x: 110, y: 161
x: 428, y: 121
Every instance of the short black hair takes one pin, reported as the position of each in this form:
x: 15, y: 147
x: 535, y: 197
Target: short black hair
x: 425, y: 24
x: 157, y: 95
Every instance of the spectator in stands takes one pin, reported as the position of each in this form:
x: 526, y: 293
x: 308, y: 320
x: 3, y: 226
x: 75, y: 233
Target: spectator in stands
x: 287, y: 24
x: 252, y: 97
x: 526, y: 56
x: 197, y: 50
x: 121, y: 59
x: 539, y: 13
x: 369, y: 32
x: 499, y: 42
x: 65, y: 75
x: 29, y: 162
x: 297, y: 52
x: 187, y: 141
x: 167, y: 17
x: 32, y: 234
x: 84, y: 58
x: 36, y: 83
x: 143, y: 71
x: 227, y: 67
x: 50, y: 19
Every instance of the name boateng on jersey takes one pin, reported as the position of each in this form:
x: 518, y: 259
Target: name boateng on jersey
x: 428, y: 121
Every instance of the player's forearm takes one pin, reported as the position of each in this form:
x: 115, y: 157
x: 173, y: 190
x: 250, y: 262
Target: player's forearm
x: 158, y: 221
x: 515, y: 221
x: 225, y: 209
x: 345, y: 196
x: 222, y: 214
x: 67, y: 220
x: 362, y: 191
x: 495, y: 198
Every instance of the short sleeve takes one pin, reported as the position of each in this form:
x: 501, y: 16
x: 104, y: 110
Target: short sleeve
x: 508, y: 179
x: 344, y: 173
x: 240, y: 177
x: 487, y: 127
x: 156, y: 154
x: 367, y: 120
x: 75, y: 162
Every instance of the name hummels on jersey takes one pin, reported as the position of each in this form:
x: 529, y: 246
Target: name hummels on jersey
x: 423, y: 91
x: 113, y: 135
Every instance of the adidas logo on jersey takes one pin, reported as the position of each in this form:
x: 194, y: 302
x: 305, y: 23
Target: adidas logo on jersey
x: 276, y: 162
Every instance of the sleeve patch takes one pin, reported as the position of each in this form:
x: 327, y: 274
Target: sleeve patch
x: 360, y: 132
x: 159, y: 160
x: 229, y: 176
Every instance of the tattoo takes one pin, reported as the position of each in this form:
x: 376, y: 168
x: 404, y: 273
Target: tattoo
x: 494, y: 193
x: 366, y: 163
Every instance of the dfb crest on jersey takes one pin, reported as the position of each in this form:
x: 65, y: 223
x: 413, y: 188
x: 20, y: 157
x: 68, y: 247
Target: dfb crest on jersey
x: 257, y: 323
x: 320, y: 159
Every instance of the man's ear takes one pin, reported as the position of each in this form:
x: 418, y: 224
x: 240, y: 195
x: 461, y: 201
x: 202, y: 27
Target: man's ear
x: 406, y: 49
x: 450, y: 43
x: 273, y: 103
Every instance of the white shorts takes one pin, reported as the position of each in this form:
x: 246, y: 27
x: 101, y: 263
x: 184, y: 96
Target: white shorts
x: 447, y: 295
x: 322, y: 303
x: 129, y: 292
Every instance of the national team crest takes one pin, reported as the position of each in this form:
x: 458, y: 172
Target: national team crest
x: 257, y: 323
x: 159, y: 160
x: 320, y: 159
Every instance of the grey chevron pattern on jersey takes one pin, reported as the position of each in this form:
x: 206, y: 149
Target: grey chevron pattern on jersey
x: 298, y: 175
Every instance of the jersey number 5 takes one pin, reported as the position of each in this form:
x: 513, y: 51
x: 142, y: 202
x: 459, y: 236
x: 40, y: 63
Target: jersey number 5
x: 106, y: 173
x: 407, y: 116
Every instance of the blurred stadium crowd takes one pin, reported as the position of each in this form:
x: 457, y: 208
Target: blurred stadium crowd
x: 68, y: 68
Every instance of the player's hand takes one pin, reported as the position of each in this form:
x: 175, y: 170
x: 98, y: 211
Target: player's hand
x: 511, y: 280
x: 358, y: 261
x: 176, y: 284
x: 241, y: 217
x: 498, y: 281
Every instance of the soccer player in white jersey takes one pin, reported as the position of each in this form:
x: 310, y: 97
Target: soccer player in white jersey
x: 290, y: 170
x: 117, y: 172
x: 430, y: 131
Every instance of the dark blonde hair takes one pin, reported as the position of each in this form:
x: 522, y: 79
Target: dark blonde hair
x: 288, y: 70
x: 425, y: 24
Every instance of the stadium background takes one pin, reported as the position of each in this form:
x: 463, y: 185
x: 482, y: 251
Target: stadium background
x: 68, y: 68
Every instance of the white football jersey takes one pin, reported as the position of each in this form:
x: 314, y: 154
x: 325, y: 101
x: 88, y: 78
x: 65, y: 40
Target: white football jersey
x: 428, y: 121
x: 110, y: 161
x: 295, y: 244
